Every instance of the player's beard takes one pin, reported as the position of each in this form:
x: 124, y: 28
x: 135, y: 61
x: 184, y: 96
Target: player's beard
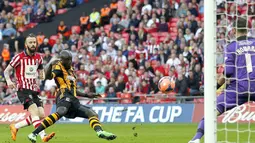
x: 32, y: 50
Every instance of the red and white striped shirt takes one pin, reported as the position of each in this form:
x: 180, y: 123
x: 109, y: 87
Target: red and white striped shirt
x: 26, y: 68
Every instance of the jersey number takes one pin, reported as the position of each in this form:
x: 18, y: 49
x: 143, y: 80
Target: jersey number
x: 248, y: 63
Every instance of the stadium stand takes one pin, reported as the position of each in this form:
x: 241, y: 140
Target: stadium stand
x: 122, y: 50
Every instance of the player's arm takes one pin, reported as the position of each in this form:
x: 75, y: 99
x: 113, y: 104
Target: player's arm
x: 52, y: 70
x: 88, y: 95
x: 7, y: 74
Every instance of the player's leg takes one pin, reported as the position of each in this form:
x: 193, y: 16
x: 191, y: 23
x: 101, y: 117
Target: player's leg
x: 25, y: 97
x: 62, y: 109
x: 225, y: 102
x: 42, y: 134
x: 92, y: 116
x: 15, y: 127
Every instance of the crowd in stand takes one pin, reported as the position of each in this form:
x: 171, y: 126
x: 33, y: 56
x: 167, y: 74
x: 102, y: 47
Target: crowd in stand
x: 23, y: 14
x: 127, y: 46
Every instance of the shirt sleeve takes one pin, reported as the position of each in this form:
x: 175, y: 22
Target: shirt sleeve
x: 56, y: 71
x: 230, y: 58
x: 15, y: 61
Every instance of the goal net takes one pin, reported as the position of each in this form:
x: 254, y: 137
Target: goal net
x: 236, y: 125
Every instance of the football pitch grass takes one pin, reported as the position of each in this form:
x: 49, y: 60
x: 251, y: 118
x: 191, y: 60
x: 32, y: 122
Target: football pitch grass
x: 129, y: 133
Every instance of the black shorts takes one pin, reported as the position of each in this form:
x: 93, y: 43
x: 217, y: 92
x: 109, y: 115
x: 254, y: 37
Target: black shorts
x: 66, y: 99
x: 28, y: 97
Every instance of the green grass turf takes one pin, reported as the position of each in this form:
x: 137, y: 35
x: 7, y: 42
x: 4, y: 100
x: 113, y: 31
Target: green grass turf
x: 146, y: 133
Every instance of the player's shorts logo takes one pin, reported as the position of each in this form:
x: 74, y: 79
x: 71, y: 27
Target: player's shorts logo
x: 68, y: 99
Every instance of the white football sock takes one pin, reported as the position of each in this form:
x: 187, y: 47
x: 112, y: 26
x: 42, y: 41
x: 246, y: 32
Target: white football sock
x: 23, y: 123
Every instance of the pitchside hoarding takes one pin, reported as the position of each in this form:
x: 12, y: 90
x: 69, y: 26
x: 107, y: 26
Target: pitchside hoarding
x: 135, y: 113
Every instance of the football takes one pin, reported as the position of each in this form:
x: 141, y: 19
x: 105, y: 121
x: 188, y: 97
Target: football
x: 164, y: 84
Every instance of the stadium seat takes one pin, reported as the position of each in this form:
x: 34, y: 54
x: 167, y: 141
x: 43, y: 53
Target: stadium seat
x: 151, y: 100
x: 20, y: 4
x: 13, y: 4
x: 173, y: 37
x: 142, y: 98
x: 125, y: 98
x: 22, y: 29
x: 62, y: 11
x: 163, y: 34
x: 174, y: 20
x: 125, y: 101
x: 31, y: 25
x: 107, y: 27
x: 118, y: 94
x: 98, y: 101
x: 155, y: 34
x: 77, y: 29
x: 53, y: 39
x: 173, y: 24
x: 174, y: 30
x: 18, y: 9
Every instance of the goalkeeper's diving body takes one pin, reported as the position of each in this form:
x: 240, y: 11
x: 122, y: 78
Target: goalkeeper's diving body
x: 67, y: 103
x: 239, y: 57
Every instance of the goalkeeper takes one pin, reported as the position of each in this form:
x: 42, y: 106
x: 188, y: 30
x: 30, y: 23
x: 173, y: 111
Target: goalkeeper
x: 67, y: 103
x: 239, y: 70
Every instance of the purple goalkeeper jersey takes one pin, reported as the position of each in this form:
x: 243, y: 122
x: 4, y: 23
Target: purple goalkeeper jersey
x: 240, y: 60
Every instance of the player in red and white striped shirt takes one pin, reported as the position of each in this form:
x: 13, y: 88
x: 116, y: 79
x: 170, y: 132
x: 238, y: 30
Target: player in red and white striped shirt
x: 27, y: 66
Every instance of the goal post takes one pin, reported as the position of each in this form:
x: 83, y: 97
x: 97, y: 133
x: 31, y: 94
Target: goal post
x: 210, y: 131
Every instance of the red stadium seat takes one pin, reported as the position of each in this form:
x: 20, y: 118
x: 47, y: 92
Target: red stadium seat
x: 151, y: 100
x: 173, y: 37
x: 77, y: 29
x: 118, y: 94
x: 18, y: 9
x: 22, y: 29
x: 174, y: 20
x: 125, y: 98
x: 13, y: 4
x: 20, y: 4
x: 98, y: 101
x: 53, y: 39
x: 62, y: 11
x: 31, y: 25
x: 125, y: 101
x: 173, y: 24
x: 107, y: 27
x: 163, y: 34
x: 155, y: 34
x: 198, y: 18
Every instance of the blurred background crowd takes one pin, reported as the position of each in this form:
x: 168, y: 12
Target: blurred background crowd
x: 122, y: 49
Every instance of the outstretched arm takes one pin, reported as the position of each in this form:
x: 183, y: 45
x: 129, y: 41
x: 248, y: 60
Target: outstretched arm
x: 49, y: 71
x: 89, y: 95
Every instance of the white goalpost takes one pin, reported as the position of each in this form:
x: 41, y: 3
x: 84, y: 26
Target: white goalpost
x: 210, y: 131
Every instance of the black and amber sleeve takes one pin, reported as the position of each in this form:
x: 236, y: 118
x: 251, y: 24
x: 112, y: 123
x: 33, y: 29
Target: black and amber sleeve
x: 52, y: 71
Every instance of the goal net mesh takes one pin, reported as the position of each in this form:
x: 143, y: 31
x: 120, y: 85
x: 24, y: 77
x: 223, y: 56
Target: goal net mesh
x: 236, y: 125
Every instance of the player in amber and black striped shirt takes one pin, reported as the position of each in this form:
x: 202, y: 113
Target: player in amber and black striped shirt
x: 67, y: 103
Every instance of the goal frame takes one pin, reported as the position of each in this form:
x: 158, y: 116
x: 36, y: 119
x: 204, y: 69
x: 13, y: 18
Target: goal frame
x: 210, y: 114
